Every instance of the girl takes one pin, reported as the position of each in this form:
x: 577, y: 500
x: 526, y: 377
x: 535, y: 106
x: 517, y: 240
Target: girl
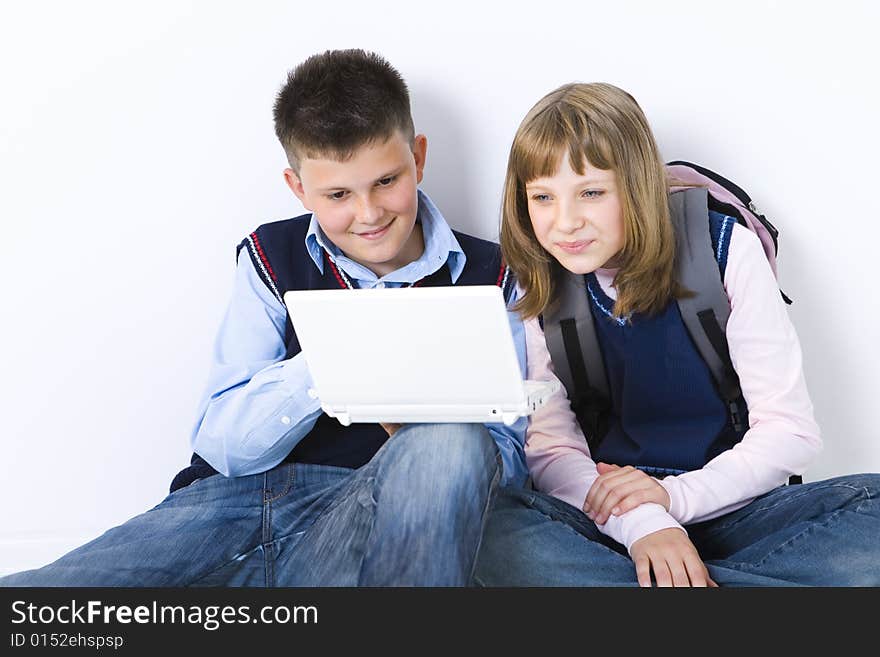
x: 677, y: 490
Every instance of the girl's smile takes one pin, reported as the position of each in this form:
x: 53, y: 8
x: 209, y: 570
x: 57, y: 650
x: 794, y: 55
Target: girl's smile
x: 575, y: 247
x: 577, y: 217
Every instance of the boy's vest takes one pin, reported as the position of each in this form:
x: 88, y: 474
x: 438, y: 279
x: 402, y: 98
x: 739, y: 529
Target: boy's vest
x: 659, y: 392
x: 281, y: 259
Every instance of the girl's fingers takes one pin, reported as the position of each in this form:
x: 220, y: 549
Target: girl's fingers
x: 679, y: 573
x: 604, y: 468
x: 637, y: 488
x: 631, y: 501
x: 613, y: 499
x: 603, y: 485
x: 652, y: 491
x: 643, y: 571
x: 696, y: 571
x: 661, y: 573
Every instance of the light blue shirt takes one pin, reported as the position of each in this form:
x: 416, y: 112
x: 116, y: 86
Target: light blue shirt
x: 256, y: 406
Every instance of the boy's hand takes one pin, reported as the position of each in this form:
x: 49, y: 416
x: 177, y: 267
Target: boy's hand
x: 618, y: 490
x: 390, y: 427
x: 673, y: 559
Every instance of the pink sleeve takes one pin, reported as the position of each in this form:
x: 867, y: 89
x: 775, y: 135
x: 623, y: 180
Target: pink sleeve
x: 559, y: 459
x: 782, y: 437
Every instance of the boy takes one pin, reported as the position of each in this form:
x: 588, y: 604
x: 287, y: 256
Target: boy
x: 300, y: 499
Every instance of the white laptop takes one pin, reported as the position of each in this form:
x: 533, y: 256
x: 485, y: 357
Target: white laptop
x: 433, y: 354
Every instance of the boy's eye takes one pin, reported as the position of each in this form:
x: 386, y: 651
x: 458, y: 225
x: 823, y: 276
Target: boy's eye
x: 593, y: 193
x: 337, y: 196
x: 384, y: 182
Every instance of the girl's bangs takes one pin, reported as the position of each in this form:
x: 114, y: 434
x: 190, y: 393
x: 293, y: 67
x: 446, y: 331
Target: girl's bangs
x: 538, y: 147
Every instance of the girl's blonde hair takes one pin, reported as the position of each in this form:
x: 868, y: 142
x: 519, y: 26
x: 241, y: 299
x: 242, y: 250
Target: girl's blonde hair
x: 606, y: 125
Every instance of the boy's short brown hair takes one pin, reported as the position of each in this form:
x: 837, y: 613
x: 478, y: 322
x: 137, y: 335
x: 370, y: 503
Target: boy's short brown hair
x: 337, y: 101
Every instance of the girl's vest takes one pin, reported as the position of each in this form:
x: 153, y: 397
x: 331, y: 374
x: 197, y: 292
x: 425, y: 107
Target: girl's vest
x: 280, y: 257
x: 656, y: 392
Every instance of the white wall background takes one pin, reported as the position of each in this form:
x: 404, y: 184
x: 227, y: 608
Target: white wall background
x: 137, y: 149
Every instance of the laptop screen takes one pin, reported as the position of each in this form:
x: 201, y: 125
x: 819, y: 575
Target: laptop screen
x: 408, y: 346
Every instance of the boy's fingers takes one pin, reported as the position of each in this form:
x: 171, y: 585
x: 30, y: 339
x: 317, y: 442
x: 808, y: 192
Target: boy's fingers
x: 390, y: 427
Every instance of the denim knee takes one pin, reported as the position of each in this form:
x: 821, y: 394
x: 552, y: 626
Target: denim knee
x: 868, y: 484
x: 865, y: 486
x: 450, y: 444
x: 870, y: 481
x: 439, y: 455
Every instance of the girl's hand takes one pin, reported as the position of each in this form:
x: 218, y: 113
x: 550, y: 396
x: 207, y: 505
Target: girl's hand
x: 390, y: 427
x: 673, y: 559
x: 618, y: 490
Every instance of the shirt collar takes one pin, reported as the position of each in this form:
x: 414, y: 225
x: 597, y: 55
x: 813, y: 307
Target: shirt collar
x: 441, y: 247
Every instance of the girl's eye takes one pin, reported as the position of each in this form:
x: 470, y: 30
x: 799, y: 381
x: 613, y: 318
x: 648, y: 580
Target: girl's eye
x: 384, y: 182
x: 593, y: 193
x: 540, y: 197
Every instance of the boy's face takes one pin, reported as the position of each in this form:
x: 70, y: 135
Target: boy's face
x: 367, y: 205
x: 577, y: 218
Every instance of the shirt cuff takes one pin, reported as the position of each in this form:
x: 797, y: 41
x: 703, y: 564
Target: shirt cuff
x: 296, y: 376
x: 676, y: 503
x: 639, y: 522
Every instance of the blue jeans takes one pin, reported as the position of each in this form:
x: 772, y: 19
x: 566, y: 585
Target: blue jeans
x: 412, y: 516
x: 825, y: 533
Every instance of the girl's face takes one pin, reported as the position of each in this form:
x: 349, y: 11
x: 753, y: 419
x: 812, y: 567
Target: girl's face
x: 578, y: 219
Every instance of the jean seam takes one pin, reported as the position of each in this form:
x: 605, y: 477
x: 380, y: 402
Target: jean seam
x: 733, y: 523
x: 339, y: 499
x: 563, y: 518
x: 329, y: 508
x: 266, y: 532
x: 287, y: 485
x: 493, y: 490
x: 369, y: 534
x: 220, y: 567
x: 868, y: 499
x: 743, y: 566
x: 378, y: 468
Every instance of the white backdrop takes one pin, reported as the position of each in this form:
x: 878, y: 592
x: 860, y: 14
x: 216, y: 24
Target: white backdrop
x: 137, y: 149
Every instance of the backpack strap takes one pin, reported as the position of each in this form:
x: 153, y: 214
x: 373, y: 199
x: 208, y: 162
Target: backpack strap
x: 577, y: 358
x: 706, y: 312
x: 729, y: 198
x: 571, y: 335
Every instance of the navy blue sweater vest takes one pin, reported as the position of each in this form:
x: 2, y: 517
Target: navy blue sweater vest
x: 666, y: 414
x: 280, y: 257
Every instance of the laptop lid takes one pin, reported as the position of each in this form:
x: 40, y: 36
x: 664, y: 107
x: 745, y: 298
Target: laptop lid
x: 410, y: 354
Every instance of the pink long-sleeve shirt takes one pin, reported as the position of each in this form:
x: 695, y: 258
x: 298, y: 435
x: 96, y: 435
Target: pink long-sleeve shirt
x: 782, y: 438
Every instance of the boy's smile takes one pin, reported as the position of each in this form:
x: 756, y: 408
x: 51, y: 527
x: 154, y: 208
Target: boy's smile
x: 367, y: 205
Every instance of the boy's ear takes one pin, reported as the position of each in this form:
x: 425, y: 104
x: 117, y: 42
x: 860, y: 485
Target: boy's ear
x: 295, y: 184
x: 420, y: 150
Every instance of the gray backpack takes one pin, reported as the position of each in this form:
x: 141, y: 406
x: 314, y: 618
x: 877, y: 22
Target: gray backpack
x: 568, y: 326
